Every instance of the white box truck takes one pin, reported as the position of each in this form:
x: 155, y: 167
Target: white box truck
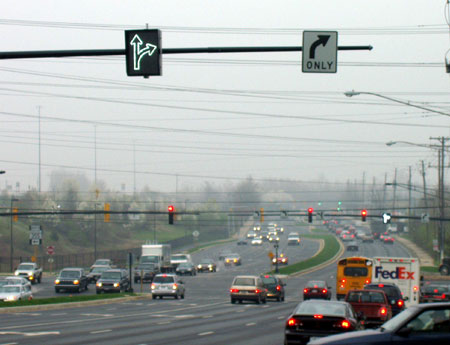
x: 157, y: 254
x: 403, y: 272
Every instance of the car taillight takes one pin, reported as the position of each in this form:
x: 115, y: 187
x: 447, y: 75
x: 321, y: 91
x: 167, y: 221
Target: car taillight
x: 293, y: 322
x: 305, y: 290
x: 383, y: 311
x: 318, y: 316
x: 278, y: 287
x: 345, y: 324
x: 234, y: 290
x: 367, y: 281
x: 380, y: 285
x: 400, y: 303
x: 324, y: 291
x: 435, y: 290
x: 258, y: 291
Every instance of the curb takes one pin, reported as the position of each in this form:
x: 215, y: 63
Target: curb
x: 323, y: 264
x: 31, y: 308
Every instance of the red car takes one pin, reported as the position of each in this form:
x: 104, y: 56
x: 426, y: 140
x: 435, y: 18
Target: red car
x: 388, y: 240
x: 282, y: 260
x: 316, y: 289
x: 373, y: 305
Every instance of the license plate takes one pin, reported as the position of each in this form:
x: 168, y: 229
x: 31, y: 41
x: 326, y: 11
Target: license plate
x: 314, y: 290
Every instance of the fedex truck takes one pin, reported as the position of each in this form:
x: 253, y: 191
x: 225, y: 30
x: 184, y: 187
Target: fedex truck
x: 403, y: 272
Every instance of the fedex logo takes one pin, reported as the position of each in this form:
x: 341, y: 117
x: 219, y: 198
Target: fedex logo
x: 399, y: 273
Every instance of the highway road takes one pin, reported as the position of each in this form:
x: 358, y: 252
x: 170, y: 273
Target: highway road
x: 205, y: 316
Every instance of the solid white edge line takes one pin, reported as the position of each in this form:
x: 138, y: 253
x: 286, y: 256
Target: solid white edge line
x: 205, y: 333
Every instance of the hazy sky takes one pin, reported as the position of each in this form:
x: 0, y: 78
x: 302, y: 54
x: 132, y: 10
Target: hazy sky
x: 239, y: 114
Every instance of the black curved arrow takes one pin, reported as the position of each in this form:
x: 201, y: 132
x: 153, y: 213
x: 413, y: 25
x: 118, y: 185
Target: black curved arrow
x: 323, y: 39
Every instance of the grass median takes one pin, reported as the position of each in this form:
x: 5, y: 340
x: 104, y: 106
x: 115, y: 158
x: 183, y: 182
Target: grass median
x: 330, y: 249
x: 209, y: 244
x: 64, y: 299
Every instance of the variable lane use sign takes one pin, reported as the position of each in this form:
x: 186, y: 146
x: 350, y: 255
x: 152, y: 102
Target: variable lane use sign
x: 319, y: 53
x: 143, y: 52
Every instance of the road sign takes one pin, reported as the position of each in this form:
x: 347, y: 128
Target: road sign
x: 270, y: 255
x: 50, y: 260
x: 386, y: 218
x: 50, y: 250
x: 143, y: 52
x: 319, y: 52
x: 35, y: 235
x: 33, y: 259
x: 195, y: 233
x: 425, y: 218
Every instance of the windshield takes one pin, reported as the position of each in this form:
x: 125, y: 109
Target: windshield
x: 179, y: 257
x: 163, y: 280
x: 149, y: 259
x: 206, y: 262
x: 269, y: 280
x: 69, y: 274
x: 111, y: 275
x: 99, y: 269
x: 25, y: 267
x: 10, y: 289
x: 328, y: 308
x: 398, y: 320
x: 102, y: 262
x: 244, y: 281
x: 185, y: 265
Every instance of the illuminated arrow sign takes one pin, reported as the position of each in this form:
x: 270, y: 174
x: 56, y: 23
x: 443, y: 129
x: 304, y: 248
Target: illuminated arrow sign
x: 143, y: 52
x: 386, y: 218
x: 319, y: 52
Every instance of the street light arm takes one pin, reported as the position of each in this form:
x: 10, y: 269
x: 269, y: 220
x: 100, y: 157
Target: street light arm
x: 354, y: 93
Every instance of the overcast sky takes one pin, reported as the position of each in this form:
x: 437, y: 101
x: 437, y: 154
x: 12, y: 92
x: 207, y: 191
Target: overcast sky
x: 240, y: 114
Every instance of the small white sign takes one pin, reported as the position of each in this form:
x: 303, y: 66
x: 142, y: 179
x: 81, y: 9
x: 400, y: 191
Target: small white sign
x: 195, y: 233
x: 425, y: 218
x: 319, y: 52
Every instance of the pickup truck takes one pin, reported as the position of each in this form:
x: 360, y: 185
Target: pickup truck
x: 30, y: 271
x: 372, y: 305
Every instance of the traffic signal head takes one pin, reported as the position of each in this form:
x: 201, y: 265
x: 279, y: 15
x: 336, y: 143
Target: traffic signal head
x: 363, y: 215
x: 310, y: 214
x: 171, y: 209
x: 386, y: 218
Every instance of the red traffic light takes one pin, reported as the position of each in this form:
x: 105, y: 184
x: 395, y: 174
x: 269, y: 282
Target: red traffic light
x: 171, y: 208
x: 364, y: 213
x: 310, y: 210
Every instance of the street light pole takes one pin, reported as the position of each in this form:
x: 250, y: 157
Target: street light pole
x: 11, y: 251
x: 355, y: 93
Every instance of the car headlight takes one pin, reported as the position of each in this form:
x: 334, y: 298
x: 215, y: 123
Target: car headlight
x: 210, y: 266
x: 12, y: 298
x: 116, y: 284
x: 76, y: 282
x: 200, y: 266
x: 30, y: 274
x: 57, y: 281
x: 99, y: 284
x: 16, y: 273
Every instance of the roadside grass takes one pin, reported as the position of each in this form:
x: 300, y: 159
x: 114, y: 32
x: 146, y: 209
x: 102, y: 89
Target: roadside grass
x: 64, y: 299
x: 429, y: 269
x: 330, y: 249
x: 209, y: 244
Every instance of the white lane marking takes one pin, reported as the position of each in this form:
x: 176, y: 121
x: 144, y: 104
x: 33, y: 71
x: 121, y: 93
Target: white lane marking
x: 58, y: 314
x: 266, y: 306
x: 281, y: 317
x: 9, y: 344
x: 251, y: 324
x: 205, y: 333
x: 102, y: 315
x: 184, y: 316
x: 163, y: 323
x: 207, y: 316
x: 30, y: 334
x: 102, y: 331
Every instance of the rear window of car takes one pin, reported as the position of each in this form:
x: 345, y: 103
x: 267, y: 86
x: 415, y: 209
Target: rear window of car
x: 244, y: 281
x: 269, y: 280
x: 436, y: 289
x: 390, y: 291
x: 332, y: 309
x: 355, y: 271
x: 163, y: 280
x: 365, y: 297
x: 315, y: 283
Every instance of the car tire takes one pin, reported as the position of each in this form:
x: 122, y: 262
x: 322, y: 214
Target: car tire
x: 98, y: 292
x: 444, y: 270
x: 78, y: 289
x: 154, y: 297
x: 278, y: 299
x: 175, y: 297
x: 264, y: 300
x: 56, y: 290
x: 39, y: 280
x: 182, y: 296
x: 233, y: 301
x: 240, y: 301
x: 258, y: 301
x: 282, y: 299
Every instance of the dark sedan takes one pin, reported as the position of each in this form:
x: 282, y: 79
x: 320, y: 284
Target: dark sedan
x: 114, y: 280
x: 144, y: 272
x: 319, y: 319
x: 427, y: 323
x: 186, y: 268
x: 435, y: 293
x: 316, y: 289
x: 206, y: 265
x: 274, y: 286
x: 71, y: 279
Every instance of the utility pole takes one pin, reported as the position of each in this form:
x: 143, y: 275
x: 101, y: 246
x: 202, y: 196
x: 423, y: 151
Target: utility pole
x: 134, y: 168
x: 395, y: 191
x: 441, y: 174
x: 384, y: 190
x: 409, y: 199
x: 363, y: 187
x: 39, y: 136
x: 425, y: 199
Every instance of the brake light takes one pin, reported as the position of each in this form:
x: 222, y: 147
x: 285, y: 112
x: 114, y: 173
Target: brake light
x: 400, y: 303
x: 343, y: 281
x: 292, y: 322
x: 234, y: 290
x: 318, y: 316
x: 164, y: 275
x: 266, y: 276
x: 324, y: 291
x: 278, y: 287
x: 345, y: 324
x: 383, y: 311
x: 367, y: 281
x: 436, y: 290
x: 443, y: 296
x: 258, y: 291
x: 380, y: 285
x: 305, y: 290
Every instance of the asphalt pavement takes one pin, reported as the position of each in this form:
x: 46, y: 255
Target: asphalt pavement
x: 205, y: 316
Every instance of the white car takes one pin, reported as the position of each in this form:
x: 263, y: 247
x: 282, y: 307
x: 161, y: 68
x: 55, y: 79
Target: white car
x: 13, y: 280
x: 257, y: 241
x: 12, y: 293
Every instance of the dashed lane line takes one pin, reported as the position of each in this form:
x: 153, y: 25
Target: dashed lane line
x: 205, y: 333
x: 101, y: 331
